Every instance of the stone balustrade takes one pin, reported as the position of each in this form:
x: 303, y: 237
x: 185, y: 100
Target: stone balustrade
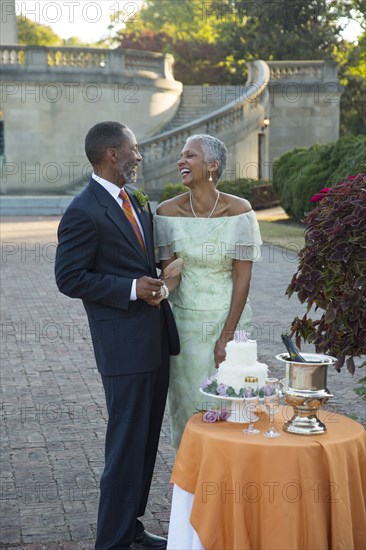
x: 234, y: 122
x: 319, y: 71
x: 42, y: 62
x: 12, y: 55
x: 60, y: 93
x: 224, y: 119
x: 166, y: 143
x: 301, y: 99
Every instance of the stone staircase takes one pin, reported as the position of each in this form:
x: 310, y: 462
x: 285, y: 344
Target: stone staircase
x: 286, y: 91
x: 232, y: 113
x: 198, y: 101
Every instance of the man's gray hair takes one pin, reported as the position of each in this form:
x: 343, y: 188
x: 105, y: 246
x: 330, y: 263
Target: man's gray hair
x: 213, y: 149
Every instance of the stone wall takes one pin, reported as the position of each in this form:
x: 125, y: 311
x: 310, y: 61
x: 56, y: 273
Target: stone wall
x: 52, y: 96
x: 304, y: 105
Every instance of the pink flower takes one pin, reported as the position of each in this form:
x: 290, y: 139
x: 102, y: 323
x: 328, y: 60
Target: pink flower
x: 211, y: 416
x: 320, y: 194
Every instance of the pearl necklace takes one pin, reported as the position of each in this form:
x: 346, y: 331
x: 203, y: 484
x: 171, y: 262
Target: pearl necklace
x: 212, y: 211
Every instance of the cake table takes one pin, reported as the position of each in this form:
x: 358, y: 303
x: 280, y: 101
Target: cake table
x: 236, y: 491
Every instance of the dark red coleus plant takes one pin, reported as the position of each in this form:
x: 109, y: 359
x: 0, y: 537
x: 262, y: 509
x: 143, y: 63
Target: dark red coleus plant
x: 332, y: 272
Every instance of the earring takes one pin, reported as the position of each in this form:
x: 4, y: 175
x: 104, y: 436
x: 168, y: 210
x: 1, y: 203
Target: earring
x: 210, y: 178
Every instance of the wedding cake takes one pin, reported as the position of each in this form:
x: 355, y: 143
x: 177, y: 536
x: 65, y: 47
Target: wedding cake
x: 241, y: 361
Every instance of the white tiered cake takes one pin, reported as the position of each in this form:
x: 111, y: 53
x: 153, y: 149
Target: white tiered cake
x: 241, y: 361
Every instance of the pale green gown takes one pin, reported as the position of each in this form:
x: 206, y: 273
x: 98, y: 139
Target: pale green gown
x: 201, y: 302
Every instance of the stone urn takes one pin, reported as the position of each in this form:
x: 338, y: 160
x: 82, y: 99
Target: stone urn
x: 305, y: 389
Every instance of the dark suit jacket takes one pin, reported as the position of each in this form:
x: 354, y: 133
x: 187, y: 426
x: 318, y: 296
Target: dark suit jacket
x: 97, y: 258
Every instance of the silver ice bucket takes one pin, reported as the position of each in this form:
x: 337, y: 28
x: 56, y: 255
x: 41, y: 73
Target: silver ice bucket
x: 305, y: 389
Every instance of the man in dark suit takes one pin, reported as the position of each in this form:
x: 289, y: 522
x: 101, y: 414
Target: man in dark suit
x: 105, y: 256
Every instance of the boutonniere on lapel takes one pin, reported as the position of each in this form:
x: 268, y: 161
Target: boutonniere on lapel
x: 141, y: 197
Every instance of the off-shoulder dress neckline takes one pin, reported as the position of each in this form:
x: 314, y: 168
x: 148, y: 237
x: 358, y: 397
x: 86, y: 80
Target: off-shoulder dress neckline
x: 202, y: 218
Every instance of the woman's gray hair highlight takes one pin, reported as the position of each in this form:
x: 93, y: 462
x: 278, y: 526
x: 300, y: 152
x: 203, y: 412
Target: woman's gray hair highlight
x: 213, y: 149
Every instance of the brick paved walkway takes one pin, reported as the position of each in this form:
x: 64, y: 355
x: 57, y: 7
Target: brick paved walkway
x: 52, y: 407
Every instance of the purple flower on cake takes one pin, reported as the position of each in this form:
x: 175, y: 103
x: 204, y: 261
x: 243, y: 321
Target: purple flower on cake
x: 206, y: 383
x: 211, y: 416
x: 249, y: 392
x: 224, y: 415
x: 221, y: 389
x: 241, y: 336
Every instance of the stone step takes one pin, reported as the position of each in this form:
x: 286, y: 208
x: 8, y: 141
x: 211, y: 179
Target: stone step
x: 41, y: 205
x: 196, y: 101
x: 46, y: 205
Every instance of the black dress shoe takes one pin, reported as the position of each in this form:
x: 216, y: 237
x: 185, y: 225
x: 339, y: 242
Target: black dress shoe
x: 147, y: 540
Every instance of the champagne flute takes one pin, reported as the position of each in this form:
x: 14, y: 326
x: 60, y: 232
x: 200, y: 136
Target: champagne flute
x: 251, y: 392
x: 271, y: 402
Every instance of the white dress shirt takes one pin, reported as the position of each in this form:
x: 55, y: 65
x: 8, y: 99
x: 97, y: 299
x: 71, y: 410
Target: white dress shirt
x: 114, y: 191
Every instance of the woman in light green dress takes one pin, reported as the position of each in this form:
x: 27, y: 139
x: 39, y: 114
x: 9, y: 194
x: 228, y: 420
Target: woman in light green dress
x: 217, y: 237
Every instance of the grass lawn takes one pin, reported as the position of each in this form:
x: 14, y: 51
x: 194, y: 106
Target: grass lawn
x: 285, y: 233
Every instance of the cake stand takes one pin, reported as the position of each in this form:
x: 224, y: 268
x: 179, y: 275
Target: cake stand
x: 235, y: 405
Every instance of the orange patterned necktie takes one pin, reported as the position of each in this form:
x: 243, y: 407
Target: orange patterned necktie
x: 127, y: 209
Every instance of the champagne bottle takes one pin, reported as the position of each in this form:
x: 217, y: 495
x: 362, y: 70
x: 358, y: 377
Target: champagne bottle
x: 293, y: 352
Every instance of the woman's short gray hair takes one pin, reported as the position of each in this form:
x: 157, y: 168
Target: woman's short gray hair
x: 213, y: 149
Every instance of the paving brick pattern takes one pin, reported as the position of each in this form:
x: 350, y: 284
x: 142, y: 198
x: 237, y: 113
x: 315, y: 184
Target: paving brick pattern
x: 53, y: 414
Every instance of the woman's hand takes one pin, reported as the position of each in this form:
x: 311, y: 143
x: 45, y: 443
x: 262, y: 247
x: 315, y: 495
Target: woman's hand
x: 219, y: 351
x: 242, y: 271
x: 171, y: 275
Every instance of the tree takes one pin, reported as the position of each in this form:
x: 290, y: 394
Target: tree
x: 35, y: 34
x: 195, y: 60
x: 75, y: 41
x: 243, y: 30
x: 353, y: 76
x: 212, y: 40
x: 281, y: 30
x: 184, y: 29
x: 180, y: 19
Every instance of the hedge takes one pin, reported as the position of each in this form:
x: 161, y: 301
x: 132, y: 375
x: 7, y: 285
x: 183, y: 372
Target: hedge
x: 300, y: 173
x: 259, y: 193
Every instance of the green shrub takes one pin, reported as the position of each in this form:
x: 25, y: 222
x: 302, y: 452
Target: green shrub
x: 240, y: 188
x: 171, y: 190
x: 300, y: 173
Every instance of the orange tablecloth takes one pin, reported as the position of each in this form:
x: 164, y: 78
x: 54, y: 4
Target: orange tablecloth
x: 292, y: 492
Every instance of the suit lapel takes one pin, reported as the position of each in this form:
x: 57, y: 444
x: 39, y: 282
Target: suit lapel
x: 113, y: 211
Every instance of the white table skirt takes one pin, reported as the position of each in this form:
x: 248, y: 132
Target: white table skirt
x: 181, y: 533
